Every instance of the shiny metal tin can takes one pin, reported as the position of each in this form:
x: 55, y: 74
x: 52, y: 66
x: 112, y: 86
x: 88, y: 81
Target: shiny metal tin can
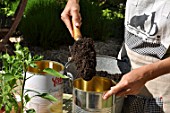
x: 87, y: 95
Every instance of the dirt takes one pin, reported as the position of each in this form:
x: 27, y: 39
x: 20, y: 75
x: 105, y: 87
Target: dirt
x: 84, y: 56
x: 116, y: 77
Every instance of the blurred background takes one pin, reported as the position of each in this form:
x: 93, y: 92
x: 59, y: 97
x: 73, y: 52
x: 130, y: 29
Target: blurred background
x: 41, y: 24
x: 43, y: 31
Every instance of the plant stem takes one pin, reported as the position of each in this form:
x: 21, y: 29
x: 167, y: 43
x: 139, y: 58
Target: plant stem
x: 22, y: 94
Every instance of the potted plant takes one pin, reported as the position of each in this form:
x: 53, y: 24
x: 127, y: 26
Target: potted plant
x: 13, y: 78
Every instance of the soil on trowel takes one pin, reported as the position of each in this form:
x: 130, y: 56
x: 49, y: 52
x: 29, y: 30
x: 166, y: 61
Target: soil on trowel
x: 116, y: 77
x: 84, y: 56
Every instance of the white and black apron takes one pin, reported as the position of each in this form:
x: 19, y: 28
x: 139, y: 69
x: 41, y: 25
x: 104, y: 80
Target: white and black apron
x: 147, y: 39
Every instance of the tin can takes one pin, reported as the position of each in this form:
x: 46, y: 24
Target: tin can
x: 44, y: 83
x: 90, y: 100
x: 87, y: 95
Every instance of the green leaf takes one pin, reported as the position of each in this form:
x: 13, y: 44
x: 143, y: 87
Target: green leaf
x: 6, y: 56
x: 8, y: 107
x: 47, y: 96
x: 8, y: 77
x: 7, y: 89
x: 27, y: 98
x: 19, y: 52
x: 17, y: 46
x: 33, y: 65
x: 54, y: 73
x: 13, y: 68
x: 14, y: 103
x: 37, y: 57
x: 30, y: 111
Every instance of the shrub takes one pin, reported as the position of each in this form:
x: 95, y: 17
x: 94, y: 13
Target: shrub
x: 99, y: 21
x: 7, y: 12
x: 42, y: 26
x: 6, y: 7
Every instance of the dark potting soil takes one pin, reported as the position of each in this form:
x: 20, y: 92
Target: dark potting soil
x: 84, y: 56
x: 116, y: 77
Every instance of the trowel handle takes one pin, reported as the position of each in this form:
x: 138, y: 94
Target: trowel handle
x: 76, y: 32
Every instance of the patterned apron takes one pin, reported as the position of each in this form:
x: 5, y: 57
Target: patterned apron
x: 155, y: 96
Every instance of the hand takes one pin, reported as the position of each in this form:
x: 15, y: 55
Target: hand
x: 130, y: 84
x: 71, y: 10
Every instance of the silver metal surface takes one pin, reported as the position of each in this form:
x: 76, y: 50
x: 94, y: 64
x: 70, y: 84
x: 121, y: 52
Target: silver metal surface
x: 88, y: 94
x: 78, y: 109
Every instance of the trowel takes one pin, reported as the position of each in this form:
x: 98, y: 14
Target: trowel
x: 83, y: 55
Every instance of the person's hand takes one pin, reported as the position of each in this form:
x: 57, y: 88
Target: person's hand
x: 130, y: 84
x: 71, y: 15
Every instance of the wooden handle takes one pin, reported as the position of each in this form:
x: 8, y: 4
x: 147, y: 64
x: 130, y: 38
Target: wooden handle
x: 76, y: 32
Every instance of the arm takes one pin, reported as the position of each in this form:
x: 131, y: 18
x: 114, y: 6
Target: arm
x: 71, y: 15
x: 132, y: 82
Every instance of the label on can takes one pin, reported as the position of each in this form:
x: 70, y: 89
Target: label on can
x: 45, y: 84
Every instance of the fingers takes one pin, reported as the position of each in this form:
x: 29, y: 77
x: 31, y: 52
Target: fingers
x: 121, y: 89
x: 124, y: 92
x: 66, y: 19
x: 76, y: 18
x: 120, y: 92
x: 71, y: 16
x: 107, y: 94
x: 113, y: 90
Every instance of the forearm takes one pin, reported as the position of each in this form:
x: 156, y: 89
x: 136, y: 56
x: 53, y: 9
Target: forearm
x: 157, y: 69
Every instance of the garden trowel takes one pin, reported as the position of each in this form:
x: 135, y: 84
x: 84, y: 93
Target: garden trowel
x: 83, y: 55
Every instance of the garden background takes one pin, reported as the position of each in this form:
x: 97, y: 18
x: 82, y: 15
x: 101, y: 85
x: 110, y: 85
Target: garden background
x: 44, y: 32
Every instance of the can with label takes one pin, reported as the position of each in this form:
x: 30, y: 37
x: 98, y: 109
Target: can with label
x: 41, y: 82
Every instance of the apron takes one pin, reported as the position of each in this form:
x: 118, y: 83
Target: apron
x: 155, y: 96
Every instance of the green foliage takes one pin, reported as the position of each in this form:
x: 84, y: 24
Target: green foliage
x: 12, y: 71
x: 7, y: 12
x: 114, y: 11
x: 13, y: 75
x: 47, y: 96
x: 54, y: 73
x: 42, y: 26
x: 91, y: 18
x: 101, y: 22
x: 6, y: 7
